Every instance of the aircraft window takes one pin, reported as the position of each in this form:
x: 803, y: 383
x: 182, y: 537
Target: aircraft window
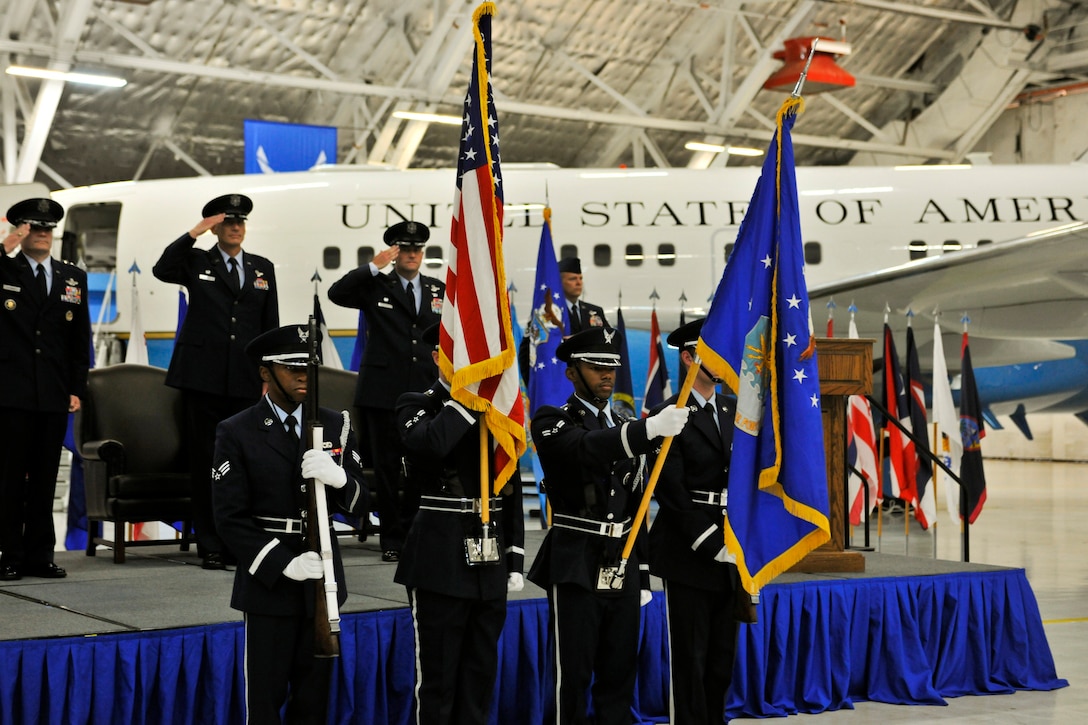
x: 568, y: 250
x: 432, y: 257
x: 602, y: 255
x: 633, y: 255
x: 918, y: 249
x: 951, y: 245
x: 331, y: 257
x: 984, y: 242
x: 90, y: 234
x: 728, y: 251
x: 364, y: 255
x: 666, y: 254
x: 813, y: 253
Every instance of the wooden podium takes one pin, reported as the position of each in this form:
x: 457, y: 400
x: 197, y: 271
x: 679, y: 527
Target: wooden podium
x: 846, y: 368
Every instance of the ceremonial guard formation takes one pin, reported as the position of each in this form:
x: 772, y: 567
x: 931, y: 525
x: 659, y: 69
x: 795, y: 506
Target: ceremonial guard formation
x: 45, y: 334
x: 232, y: 300
x: 687, y: 548
x: 457, y: 569
x: 261, y: 478
x: 594, y: 471
x: 398, y: 307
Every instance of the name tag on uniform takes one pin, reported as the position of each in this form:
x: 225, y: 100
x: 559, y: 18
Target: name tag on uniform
x: 11, y: 288
x: 206, y: 277
x: 386, y: 305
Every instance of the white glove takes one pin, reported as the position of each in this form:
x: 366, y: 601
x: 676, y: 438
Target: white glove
x: 306, y: 565
x: 666, y: 422
x: 724, y: 556
x: 645, y: 596
x: 320, y: 466
x: 515, y: 582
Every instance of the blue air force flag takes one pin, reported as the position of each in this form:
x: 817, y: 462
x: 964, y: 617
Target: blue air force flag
x: 547, y: 384
x: 757, y: 338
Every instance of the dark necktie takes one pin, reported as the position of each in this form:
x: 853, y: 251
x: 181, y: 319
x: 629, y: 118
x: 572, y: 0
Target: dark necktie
x: 235, y: 285
x: 410, y: 296
x: 290, y: 424
x: 39, y: 277
x: 575, y: 318
x: 602, y: 419
x: 709, y: 410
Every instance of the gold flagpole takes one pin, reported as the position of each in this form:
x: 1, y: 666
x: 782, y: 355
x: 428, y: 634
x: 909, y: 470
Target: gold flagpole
x: 485, y: 488
x: 644, y: 505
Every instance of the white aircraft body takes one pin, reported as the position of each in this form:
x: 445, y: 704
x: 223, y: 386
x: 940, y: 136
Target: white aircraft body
x: 666, y: 230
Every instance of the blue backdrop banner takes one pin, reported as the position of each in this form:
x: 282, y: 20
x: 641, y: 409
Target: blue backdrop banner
x: 272, y: 147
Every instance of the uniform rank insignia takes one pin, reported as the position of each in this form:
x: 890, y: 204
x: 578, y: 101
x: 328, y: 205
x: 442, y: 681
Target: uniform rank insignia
x: 72, y: 293
x: 260, y: 283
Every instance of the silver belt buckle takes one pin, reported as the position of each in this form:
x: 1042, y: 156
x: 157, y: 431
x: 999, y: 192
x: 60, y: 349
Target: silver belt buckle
x: 614, y: 530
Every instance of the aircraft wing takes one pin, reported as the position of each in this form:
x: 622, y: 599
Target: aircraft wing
x: 1021, y: 296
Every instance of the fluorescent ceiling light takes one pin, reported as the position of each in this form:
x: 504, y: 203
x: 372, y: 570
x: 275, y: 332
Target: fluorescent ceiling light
x: 932, y: 167
x: 718, y: 148
x: 58, y: 75
x: 427, y: 117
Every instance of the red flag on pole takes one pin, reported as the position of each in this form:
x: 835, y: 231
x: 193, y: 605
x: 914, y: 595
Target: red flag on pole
x: 476, y: 342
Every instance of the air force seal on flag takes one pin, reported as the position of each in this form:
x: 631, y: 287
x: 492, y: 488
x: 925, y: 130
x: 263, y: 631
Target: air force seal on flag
x: 752, y: 380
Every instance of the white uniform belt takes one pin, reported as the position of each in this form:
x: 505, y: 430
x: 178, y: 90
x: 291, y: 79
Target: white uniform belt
x: 710, y: 498
x: 456, y: 505
x: 276, y: 525
x: 592, y: 526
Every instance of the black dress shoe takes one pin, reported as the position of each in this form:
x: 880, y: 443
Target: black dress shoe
x: 45, y: 571
x: 391, y: 556
x: 10, y: 573
x: 213, y: 561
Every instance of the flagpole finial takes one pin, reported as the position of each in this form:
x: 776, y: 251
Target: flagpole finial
x: 654, y: 297
x: 966, y: 321
x: 909, y: 316
x: 804, y: 73
x: 135, y: 268
x: 316, y: 277
x: 887, y: 311
x: 619, y: 298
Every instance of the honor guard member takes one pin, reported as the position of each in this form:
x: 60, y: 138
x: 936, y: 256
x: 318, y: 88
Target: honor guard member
x: 594, y: 470
x: 582, y: 314
x: 45, y: 346
x: 232, y: 300
x: 260, y: 493
x: 456, y: 570
x: 398, y: 307
x: 687, y: 548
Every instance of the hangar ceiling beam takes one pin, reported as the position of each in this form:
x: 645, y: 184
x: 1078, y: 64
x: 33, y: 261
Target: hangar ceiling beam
x: 985, y: 19
x: 69, y: 29
x: 746, y: 92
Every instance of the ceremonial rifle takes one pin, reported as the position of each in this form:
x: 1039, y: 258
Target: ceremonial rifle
x: 326, y: 606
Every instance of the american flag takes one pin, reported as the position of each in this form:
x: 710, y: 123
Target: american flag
x: 476, y: 341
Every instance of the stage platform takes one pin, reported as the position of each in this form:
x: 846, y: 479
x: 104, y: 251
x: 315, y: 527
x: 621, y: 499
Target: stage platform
x: 154, y: 640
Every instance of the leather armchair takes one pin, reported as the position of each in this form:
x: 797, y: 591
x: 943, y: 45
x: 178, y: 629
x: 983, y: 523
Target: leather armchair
x: 131, y: 437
